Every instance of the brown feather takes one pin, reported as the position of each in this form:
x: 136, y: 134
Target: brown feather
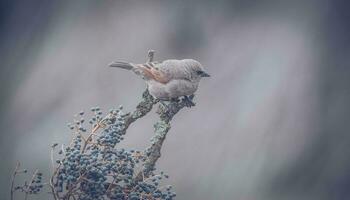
x: 154, y: 74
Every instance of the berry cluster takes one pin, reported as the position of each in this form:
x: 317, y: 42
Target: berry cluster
x: 94, y: 167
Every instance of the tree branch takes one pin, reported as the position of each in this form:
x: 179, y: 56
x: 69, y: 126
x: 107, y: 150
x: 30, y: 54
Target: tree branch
x: 144, y: 107
x: 166, y: 112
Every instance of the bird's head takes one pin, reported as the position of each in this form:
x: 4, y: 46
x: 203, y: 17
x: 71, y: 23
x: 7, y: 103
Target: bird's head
x: 196, y: 70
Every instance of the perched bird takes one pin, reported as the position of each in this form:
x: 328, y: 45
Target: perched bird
x: 169, y: 79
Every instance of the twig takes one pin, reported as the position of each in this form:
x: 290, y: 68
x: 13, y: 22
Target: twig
x: 54, y: 193
x: 53, y: 172
x: 150, y: 55
x: 13, y: 179
x: 52, y: 161
x: 71, y: 190
x: 90, y: 137
x: 30, y: 184
x: 110, y: 186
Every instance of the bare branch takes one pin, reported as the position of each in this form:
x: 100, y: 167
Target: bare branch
x: 13, y: 179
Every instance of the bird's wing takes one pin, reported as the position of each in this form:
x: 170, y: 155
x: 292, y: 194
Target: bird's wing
x: 150, y: 71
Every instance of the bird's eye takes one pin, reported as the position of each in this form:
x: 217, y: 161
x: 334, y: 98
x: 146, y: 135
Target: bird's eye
x: 199, y: 72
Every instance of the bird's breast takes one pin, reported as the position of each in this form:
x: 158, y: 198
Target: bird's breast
x: 172, y: 89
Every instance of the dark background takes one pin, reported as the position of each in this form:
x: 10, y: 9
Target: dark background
x: 271, y: 123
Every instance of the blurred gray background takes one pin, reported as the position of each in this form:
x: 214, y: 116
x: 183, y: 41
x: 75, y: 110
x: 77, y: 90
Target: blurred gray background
x: 271, y: 123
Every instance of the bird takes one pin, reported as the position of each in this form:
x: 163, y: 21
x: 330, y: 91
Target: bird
x: 169, y: 79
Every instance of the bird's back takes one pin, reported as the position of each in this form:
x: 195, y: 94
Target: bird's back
x: 177, y: 69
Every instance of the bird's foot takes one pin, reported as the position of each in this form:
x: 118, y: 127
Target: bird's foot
x: 174, y: 100
x: 169, y: 101
x: 187, y: 100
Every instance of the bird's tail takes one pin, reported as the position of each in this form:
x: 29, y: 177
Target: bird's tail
x: 122, y: 64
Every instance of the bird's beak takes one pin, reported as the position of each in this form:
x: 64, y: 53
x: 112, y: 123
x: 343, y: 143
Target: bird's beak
x: 205, y: 74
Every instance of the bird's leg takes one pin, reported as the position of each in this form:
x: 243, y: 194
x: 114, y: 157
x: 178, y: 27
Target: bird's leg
x: 187, y: 100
